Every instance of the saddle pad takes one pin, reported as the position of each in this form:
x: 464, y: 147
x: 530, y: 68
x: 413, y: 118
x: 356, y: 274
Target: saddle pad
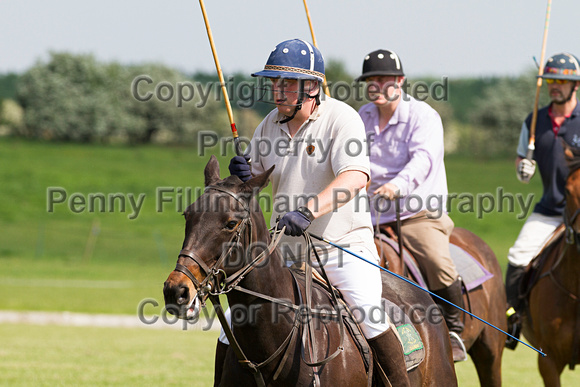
x: 410, y: 339
x: 470, y: 270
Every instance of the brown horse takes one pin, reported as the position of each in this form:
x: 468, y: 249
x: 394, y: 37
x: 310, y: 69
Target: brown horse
x: 487, y: 301
x: 552, y: 320
x: 201, y: 269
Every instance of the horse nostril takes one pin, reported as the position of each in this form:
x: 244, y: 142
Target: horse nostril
x: 182, y: 295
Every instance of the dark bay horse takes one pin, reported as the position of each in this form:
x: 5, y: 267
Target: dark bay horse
x: 200, y: 270
x: 488, y: 301
x: 552, y: 320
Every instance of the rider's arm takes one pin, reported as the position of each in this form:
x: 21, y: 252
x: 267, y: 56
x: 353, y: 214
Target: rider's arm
x: 342, y: 189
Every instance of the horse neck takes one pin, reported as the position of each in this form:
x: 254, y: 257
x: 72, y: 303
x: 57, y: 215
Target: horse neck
x: 568, y: 269
x: 269, y: 277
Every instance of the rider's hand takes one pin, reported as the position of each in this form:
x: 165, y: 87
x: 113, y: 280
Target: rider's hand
x: 388, y: 190
x: 526, y: 169
x: 296, y: 222
x: 239, y: 167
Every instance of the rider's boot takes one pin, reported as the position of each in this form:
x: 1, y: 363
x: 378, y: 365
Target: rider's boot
x: 389, y: 354
x: 453, y: 317
x: 220, y: 357
x: 513, y: 278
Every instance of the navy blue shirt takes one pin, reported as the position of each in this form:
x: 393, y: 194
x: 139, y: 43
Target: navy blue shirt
x: 549, y: 156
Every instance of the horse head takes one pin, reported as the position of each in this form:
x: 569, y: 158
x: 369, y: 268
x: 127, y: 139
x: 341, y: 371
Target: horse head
x: 225, y: 217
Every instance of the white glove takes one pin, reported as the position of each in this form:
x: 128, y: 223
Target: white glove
x: 526, y: 169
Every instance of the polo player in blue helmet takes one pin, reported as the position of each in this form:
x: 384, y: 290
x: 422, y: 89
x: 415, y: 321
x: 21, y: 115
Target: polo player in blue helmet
x: 317, y: 185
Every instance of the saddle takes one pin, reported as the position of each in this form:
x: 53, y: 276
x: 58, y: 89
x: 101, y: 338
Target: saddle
x: 472, y: 273
x: 409, y: 338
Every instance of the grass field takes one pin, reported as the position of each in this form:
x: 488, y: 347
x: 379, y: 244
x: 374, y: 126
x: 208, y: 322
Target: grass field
x: 81, y: 356
x: 108, y: 262
x: 103, y: 250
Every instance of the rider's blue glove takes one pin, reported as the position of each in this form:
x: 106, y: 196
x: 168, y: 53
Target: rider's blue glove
x: 296, y: 222
x: 239, y: 167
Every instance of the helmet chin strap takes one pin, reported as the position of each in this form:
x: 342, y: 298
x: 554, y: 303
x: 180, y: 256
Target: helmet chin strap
x: 290, y: 118
x: 299, y: 102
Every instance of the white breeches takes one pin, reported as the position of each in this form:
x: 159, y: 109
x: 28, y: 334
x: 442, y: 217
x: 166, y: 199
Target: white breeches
x: 534, y: 234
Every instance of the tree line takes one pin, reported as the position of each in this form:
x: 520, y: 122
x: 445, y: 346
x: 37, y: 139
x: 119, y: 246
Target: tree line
x: 75, y: 98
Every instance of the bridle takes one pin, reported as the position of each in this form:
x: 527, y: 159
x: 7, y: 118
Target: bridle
x: 211, y: 287
x: 572, y: 236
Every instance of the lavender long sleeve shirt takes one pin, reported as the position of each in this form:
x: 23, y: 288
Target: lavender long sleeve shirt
x: 408, y: 152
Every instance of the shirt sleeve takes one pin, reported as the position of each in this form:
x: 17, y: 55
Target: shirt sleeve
x: 349, y: 149
x: 524, y: 140
x: 425, y: 147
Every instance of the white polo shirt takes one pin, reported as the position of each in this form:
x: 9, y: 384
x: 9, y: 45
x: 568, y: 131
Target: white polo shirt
x: 330, y: 142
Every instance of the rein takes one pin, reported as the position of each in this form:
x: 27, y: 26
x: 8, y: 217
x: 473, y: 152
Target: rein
x: 211, y: 287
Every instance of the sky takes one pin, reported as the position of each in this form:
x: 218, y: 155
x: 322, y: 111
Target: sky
x: 459, y: 38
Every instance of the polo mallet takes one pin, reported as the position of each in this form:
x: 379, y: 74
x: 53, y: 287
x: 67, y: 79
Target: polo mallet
x: 324, y: 85
x: 218, y: 68
x: 425, y: 290
x: 532, y: 142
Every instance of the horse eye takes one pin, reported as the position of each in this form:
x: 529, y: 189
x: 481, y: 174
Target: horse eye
x: 231, y: 224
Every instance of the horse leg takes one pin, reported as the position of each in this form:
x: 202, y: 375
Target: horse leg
x: 486, y: 355
x: 550, y: 370
x: 220, y: 356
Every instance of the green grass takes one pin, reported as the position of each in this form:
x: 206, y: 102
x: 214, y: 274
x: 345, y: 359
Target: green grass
x: 519, y: 368
x: 501, y: 226
x: 82, y: 356
x: 46, y: 253
x: 62, y: 246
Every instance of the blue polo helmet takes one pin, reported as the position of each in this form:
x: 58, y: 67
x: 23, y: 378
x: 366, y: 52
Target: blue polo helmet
x: 562, y: 66
x: 294, y: 59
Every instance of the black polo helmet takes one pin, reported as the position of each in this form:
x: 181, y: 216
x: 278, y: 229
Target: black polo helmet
x: 562, y: 66
x: 381, y: 62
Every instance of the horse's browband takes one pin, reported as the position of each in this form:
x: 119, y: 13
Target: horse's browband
x: 226, y: 191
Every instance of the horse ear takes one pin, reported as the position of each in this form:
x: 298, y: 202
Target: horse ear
x: 259, y: 182
x: 568, y: 152
x: 212, y: 171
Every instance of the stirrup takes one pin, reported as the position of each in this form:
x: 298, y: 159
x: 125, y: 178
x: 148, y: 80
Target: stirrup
x: 514, y: 328
x: 455, y: 338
